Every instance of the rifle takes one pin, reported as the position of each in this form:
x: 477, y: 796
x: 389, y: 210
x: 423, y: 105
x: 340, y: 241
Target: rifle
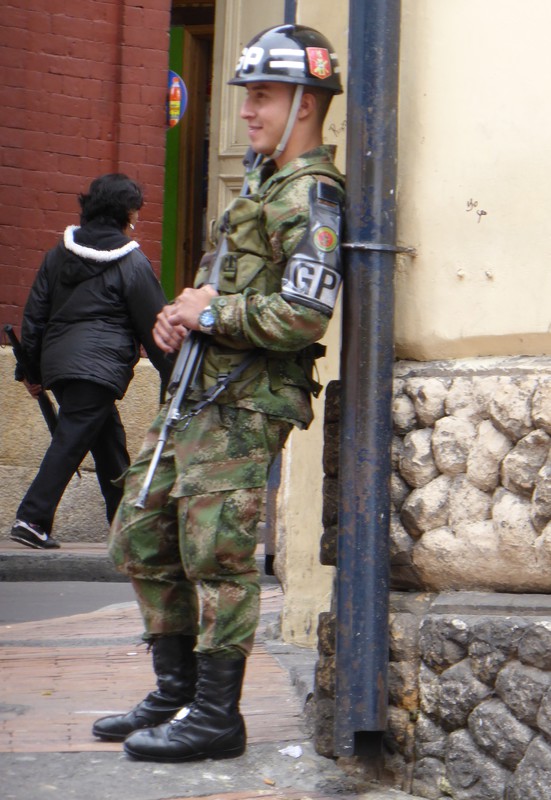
x: 188, y: 364
x: 46, y: 405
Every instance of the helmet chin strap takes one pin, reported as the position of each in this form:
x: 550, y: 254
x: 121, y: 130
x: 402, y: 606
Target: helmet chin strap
x: 299, y: 89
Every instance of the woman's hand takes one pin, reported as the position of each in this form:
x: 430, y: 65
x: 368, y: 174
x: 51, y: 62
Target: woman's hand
x: 33, y: 389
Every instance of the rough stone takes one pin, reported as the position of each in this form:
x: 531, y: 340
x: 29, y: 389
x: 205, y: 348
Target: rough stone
x: 443, y: 641
x: 325, y: 674
x: 403, y: 574
x: 332, y: 407
x: 328, y: 546
x: 331, y: 445
x: 534, y: 647
x: 429, y: 691
x: 541, y: 405
x: 522, y: 689
x: 399, y: 733
x: 401, y: 543
x: 394, y: 764
x: 399, y: 490
x: 487, y: 452
x: 398, y: 386
x: 493, y: 642
x: 416, y: 462
x: 403, y: 414
x: 484, y: 389
x: 520, y: 467
x: 472, y: 775
x: 542, y: 548
x: 461, y: 559
x: 541, y: 499
x: 428, y: 775
x: 462, y: 402
x: 510, y: 408
x: 544, y: 716
x: 430, y: 739
x: 460, y: 693
x: 451, y: 443
x: 532, y: 778
x: 428, y: 396
x: 323, y: 727
x: 404, y: 577
x: 403, y: 637
x: 496, y: 731
x: 516, y: 535
x: 403, y: 686
x: 426, y: 508
x: 466, y: 503
x: 327, y: 633
x: 486, y: 661
x: 396, y: 450
x: 330, y: 505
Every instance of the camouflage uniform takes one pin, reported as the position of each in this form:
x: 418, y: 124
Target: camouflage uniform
x: 199, y: 528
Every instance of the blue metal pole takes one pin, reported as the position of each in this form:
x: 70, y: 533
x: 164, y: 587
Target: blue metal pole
x: 290, y: 12
x: 366, y: 376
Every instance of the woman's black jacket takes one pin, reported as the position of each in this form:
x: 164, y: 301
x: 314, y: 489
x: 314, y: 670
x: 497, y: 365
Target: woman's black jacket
x: 93, y: 303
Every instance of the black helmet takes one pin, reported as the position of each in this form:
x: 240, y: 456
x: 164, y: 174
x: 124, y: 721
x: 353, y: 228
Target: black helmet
x: 289, y: 54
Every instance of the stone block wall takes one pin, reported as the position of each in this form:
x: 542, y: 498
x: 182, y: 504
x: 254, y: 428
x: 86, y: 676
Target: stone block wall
x: 483, y: 729
x: 470, y: 624
x: 471, y: 484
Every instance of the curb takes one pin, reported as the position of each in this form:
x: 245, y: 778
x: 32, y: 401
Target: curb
x: 58, y: 567
x: 73, y: 562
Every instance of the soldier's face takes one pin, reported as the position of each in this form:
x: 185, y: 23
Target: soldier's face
x: 266, y: 110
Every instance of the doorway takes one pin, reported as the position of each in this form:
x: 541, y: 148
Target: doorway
x: 187, y: 145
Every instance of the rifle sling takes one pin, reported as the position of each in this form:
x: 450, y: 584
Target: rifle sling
x: 210, y: 395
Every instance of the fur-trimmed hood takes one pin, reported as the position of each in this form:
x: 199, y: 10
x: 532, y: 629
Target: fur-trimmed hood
x: 92, y: 249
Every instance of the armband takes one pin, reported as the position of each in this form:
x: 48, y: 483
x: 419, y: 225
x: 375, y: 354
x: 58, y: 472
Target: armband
x: 313, y: 274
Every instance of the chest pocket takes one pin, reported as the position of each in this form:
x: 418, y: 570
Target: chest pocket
x: 248, y: 262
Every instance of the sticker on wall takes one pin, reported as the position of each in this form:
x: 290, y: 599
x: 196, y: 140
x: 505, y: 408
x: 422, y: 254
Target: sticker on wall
x: 177, y: 98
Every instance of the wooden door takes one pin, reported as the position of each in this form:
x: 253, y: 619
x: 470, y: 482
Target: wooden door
x: 236, y: 22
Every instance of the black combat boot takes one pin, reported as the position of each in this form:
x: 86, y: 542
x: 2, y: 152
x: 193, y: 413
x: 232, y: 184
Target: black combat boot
x: 175, y: 666
x: 211, y: 727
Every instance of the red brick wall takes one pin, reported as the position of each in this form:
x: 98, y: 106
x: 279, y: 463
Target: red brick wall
x: 82, y: 93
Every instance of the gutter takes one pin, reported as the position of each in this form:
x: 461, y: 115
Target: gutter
x: 362, y: 640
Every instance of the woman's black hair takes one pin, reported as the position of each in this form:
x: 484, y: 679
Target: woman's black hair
x: 110, y: 200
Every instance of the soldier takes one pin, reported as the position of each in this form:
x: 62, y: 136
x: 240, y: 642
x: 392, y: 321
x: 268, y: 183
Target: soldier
x: 273, y: 302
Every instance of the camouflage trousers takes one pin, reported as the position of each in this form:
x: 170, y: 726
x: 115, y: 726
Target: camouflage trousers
x: 190, y: 554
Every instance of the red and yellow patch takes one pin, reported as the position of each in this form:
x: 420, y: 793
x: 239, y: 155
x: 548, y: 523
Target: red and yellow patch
x: 325, y: 239
x: 319, y: 62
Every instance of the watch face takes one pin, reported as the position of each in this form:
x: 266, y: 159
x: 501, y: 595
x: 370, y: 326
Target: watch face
x: 207, y: 318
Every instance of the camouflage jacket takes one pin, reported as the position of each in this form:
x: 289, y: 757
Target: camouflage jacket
x: 264, y: 228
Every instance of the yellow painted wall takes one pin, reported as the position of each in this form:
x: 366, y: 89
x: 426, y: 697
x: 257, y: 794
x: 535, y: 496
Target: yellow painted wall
x: 474, y: 166
x: 308, y: 585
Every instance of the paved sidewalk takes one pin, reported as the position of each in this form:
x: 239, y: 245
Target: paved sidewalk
x: 59, y: 674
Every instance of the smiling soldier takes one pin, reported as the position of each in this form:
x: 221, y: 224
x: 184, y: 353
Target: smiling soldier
x: 273, y: 300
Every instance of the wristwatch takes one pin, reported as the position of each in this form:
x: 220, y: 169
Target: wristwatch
x: 207, y: 320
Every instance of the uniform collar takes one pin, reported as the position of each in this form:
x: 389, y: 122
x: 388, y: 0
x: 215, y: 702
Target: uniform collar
x: 267, y: 174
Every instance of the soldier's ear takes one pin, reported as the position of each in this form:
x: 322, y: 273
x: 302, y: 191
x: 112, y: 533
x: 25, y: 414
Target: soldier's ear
x: 308, y: 105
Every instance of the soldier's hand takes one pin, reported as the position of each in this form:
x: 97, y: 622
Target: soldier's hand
x: 189, y: 304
